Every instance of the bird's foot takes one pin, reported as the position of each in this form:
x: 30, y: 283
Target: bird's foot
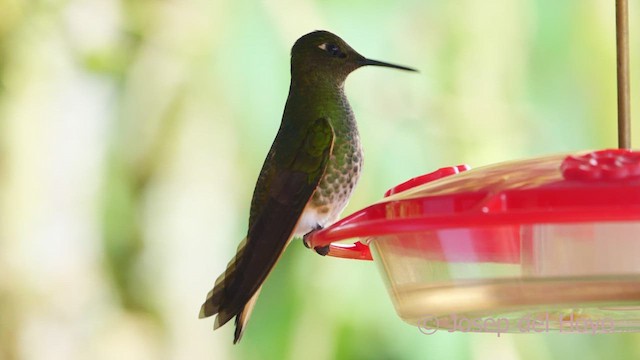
x: 322, y: 250
x: 304, y: 240
x: 305, y: 237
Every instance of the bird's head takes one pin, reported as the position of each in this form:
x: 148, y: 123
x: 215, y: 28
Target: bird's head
x: 323, y: 55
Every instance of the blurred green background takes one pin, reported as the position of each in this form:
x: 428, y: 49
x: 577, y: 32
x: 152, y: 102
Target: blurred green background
x: 132, y: 133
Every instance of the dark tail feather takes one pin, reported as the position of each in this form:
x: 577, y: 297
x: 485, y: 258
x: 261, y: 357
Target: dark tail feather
x: 243, y: 317
x: 215, y: 297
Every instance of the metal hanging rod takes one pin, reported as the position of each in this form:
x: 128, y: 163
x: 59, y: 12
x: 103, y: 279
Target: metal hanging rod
x: 622, y: 52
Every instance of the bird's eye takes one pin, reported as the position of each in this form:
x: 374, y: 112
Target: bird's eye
x: 332, y: 49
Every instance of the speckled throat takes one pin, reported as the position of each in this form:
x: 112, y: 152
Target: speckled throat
x: 345, y: 165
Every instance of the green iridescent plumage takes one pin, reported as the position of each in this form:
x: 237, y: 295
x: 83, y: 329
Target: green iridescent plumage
x: 307, y: 177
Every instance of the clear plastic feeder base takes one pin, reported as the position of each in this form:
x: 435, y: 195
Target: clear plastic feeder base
x: 566, y: 278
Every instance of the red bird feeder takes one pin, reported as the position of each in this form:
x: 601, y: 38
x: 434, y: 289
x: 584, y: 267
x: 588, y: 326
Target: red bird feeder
x: 543, y: 244
x: 552, y: 237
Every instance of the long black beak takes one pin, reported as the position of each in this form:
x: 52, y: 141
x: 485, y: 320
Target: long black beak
x: 365, y: 62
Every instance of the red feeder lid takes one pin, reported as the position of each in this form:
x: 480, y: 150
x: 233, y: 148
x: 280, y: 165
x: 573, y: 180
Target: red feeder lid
x: 585, y: 187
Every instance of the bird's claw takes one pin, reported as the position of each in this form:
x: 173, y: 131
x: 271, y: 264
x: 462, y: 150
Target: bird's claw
x: 304, y: 240
x: 322, y: 250
x: 305, y: 237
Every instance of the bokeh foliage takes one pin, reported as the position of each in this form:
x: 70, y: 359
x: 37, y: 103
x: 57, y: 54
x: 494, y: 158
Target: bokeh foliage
x: 132, y: 132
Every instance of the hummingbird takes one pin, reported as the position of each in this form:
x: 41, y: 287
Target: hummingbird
x: 307, y: 177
